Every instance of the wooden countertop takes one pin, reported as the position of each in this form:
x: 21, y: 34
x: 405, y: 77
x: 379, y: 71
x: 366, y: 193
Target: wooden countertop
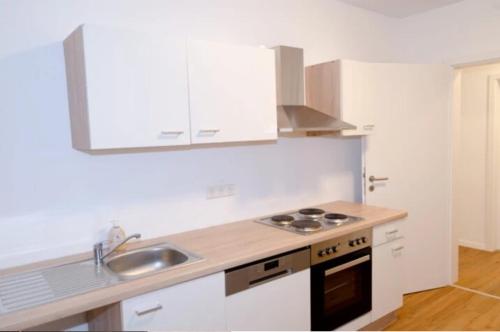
x: 223, y: 246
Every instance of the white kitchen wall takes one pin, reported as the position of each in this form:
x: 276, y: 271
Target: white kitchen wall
x: 460, y: 33
x: 470, y: 183
x: 56, y: 201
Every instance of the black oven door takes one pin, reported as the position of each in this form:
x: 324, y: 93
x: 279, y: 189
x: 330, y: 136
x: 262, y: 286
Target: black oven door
x: 341, y: 290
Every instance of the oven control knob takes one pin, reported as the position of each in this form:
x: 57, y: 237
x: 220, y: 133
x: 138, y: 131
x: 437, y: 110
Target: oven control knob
x: 334, y: 248
x: 363, y: 239
x: 329, y: 251
x: 321, y: 253
x: 352, y: 243
x: 358, y: 241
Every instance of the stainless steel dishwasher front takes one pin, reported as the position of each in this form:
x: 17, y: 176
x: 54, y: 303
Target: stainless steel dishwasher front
x: 270, y: 294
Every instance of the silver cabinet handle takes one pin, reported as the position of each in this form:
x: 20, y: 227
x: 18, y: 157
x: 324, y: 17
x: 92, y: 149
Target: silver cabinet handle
x: 177, y: 133
x: 398, y: 248
x: 391, y: 232
x: 208, y: 131
x: 375, y: 179
x: 148, y: 311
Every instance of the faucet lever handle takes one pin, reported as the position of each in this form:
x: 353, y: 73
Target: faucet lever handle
x: 98, y: 252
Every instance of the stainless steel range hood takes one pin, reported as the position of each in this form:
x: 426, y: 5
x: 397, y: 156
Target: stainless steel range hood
x: 293, y: 115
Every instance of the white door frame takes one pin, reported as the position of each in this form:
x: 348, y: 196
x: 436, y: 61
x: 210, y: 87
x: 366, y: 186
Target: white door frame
x: 456, y: 126
x: 492, y: 156
x: 492, y: 212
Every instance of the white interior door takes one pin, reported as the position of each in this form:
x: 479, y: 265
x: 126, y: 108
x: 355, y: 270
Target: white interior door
x: 411, y: 148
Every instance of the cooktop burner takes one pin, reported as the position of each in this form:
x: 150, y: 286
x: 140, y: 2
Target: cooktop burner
x: 309, y: 221
x: 336, y: 217
x: 312, y: 213
x: 306, y: 225
x: 282, y: 219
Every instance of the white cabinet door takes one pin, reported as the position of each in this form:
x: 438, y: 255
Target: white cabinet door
x: 194, y: 305
x: 360, y: 96
x: 348, y: 90
x: 280, y: 305
x: 126, y: 89
x: 232, y: 93
x: 387, y: 278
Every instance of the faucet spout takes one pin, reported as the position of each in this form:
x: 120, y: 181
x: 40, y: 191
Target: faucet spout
x: 99, y: 255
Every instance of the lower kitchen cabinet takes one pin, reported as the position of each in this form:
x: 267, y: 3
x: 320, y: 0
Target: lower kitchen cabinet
x: 193, y: 305
x: 387, y: 288
x: 280, y: 305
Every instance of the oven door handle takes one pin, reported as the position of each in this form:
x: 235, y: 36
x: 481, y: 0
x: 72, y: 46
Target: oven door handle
x: 347, y: 265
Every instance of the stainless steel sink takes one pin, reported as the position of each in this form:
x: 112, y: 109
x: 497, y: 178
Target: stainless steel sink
x: 137, y: 263
x: 59, y: 282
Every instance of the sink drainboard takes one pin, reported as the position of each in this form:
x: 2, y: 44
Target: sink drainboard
x: 29, y: 289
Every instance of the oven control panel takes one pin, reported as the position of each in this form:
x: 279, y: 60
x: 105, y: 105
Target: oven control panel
x: 339, y: 246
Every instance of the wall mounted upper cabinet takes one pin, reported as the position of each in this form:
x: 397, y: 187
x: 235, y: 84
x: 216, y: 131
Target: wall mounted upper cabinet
x: 232, y: 93
x: 126, y: 89
x: 347, y: 90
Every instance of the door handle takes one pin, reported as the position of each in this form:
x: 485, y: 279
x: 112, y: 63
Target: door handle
x: 375, y: 179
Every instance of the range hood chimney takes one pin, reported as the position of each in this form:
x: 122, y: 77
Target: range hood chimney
x: 293, y: 115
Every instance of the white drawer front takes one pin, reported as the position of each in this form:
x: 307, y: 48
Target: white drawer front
x: 193, y: 305
x: 388, y: 232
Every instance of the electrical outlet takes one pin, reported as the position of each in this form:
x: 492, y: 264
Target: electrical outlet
x: 230, y: 189
x: 222, y: 190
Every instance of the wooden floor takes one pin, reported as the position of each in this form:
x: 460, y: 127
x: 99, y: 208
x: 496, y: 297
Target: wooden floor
x: 479, y: 270
x: 448, y: 308
x: 451, y: 308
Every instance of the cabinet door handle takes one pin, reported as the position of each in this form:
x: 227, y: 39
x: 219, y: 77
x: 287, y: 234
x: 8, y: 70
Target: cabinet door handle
x: 391, y: 232
x: 148, y: 311
x: 176, y: 133
x: 209, y: 131
x: 398, y: 249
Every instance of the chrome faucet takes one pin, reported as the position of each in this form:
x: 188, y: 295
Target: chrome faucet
x: 99, y: 248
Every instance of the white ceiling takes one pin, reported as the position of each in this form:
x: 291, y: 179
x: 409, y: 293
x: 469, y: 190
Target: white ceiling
x: 399, y: 8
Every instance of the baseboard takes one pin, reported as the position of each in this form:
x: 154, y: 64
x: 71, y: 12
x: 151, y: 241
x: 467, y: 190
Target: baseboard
x: 381, y: 323
x: 472, y: 244
x: 356, y: 324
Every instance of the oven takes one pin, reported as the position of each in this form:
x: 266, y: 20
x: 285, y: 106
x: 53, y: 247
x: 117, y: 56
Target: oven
x: 341, y: 280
